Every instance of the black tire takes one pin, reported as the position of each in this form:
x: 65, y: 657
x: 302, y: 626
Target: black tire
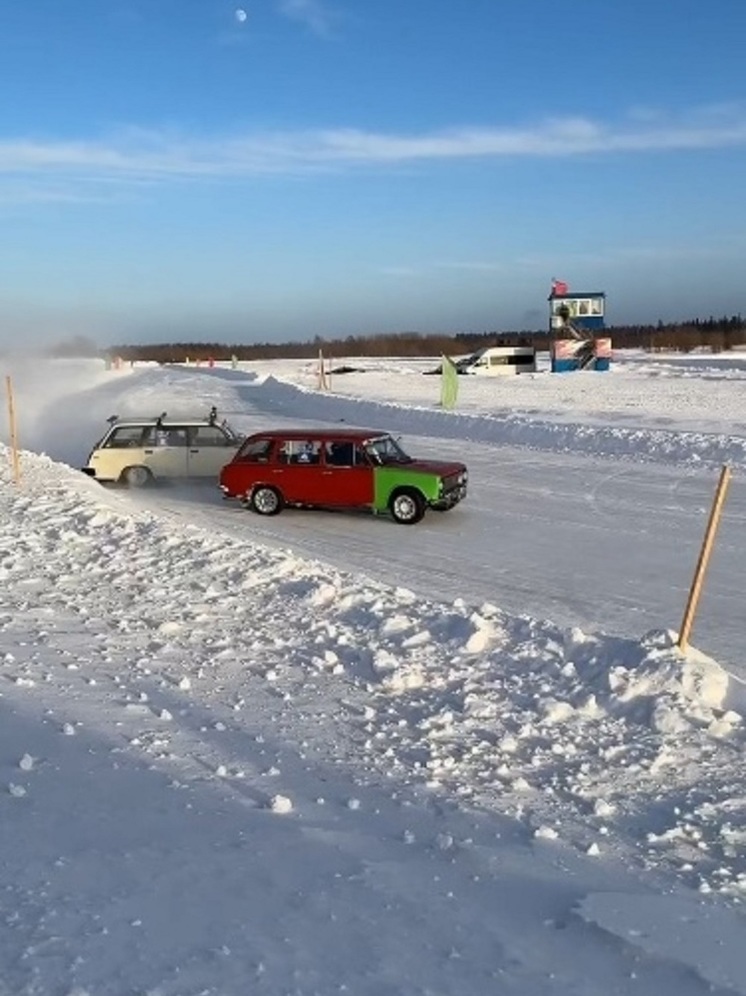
x: 407, y: 506
x: 136, y: 477
x: 266, y: 500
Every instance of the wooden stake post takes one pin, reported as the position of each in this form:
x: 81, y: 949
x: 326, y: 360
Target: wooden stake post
x: 13, y: 431
x: 323, y: 386
x: 704, y: 557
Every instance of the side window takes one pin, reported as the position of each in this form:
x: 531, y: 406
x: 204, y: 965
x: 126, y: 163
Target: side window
x: 256, y: 451
x: 208, y: 435
x: 123, y: 437
x: 170, y: 435
x: 344, y: 454
x: 177, y: 436
x: 300, y: 451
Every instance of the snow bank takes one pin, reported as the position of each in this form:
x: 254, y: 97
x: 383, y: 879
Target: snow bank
x: 647, y: 408
x: 617, y: 745
x: 707, y: 938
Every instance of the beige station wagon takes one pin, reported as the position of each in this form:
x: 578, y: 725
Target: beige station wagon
x: 138, y: 451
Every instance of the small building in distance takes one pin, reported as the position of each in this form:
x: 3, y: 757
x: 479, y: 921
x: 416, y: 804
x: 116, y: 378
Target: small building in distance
x: 577, y: 329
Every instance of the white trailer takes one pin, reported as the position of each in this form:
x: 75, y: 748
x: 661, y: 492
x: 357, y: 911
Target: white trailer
x: 499, y: 361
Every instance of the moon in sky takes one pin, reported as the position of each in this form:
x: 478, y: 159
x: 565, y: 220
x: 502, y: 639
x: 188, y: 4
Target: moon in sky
x: 241, y: 15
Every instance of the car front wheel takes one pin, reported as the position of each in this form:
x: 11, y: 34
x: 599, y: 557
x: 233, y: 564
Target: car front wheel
x: 407, y: 507
x: 136, y: 477
x: 266, y: 501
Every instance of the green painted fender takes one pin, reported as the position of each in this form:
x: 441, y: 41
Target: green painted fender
x: 388, y: 479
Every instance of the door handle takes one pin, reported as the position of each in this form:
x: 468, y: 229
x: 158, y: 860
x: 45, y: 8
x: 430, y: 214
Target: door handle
x: 194, y: 451
x: 148, y: 451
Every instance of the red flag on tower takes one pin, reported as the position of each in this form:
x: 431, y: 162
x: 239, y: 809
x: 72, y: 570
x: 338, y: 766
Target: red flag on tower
x: 559, y: 286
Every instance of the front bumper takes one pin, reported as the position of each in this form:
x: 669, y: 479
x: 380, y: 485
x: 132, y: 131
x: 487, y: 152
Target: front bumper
x: 450, y: 498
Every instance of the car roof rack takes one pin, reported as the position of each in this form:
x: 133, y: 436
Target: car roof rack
x: 211, y: 418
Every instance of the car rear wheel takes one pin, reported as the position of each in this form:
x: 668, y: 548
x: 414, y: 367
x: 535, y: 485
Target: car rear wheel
x: 136, y: 477
x: 266, y: 501
x: 407, y: 507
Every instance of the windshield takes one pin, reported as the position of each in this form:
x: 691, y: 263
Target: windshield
x: 386, y: 450
x: 469, y: 361
x: 235, y: 437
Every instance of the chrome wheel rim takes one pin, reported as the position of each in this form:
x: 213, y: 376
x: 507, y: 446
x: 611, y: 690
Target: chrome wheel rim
x: 404, y: 507
x: 265, y: 500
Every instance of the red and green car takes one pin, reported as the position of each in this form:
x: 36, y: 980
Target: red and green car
x: 339, y: 468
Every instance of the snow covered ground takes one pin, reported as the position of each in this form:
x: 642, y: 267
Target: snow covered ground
x: 325, y: 754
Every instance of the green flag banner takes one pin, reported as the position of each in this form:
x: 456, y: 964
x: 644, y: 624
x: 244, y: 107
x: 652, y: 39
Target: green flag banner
x: 448, y: 384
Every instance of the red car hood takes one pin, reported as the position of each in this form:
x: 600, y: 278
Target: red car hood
x: 435, y: 467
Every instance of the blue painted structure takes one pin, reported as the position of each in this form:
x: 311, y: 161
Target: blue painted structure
x: 577, y: 325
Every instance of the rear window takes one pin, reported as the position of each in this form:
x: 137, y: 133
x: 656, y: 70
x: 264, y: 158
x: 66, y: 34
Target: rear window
x: 256, y: 451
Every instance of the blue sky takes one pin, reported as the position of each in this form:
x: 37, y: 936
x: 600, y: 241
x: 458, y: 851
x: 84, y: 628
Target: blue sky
x: 280, y: 169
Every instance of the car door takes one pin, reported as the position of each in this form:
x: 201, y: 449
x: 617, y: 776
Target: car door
x: 251, y: 465
x: 119, y: 449
x: 165, y: 451
x: 209, y: 450
x: 347, y: 475
x: 297, y: 471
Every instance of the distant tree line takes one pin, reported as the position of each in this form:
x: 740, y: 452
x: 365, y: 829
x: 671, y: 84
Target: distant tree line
x: 716, y: 334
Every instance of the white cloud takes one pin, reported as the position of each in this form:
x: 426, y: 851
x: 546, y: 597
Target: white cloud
x: 312, y: 13
x: 478, y: 266
x: 717, y: 248
x: 136, y: 155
